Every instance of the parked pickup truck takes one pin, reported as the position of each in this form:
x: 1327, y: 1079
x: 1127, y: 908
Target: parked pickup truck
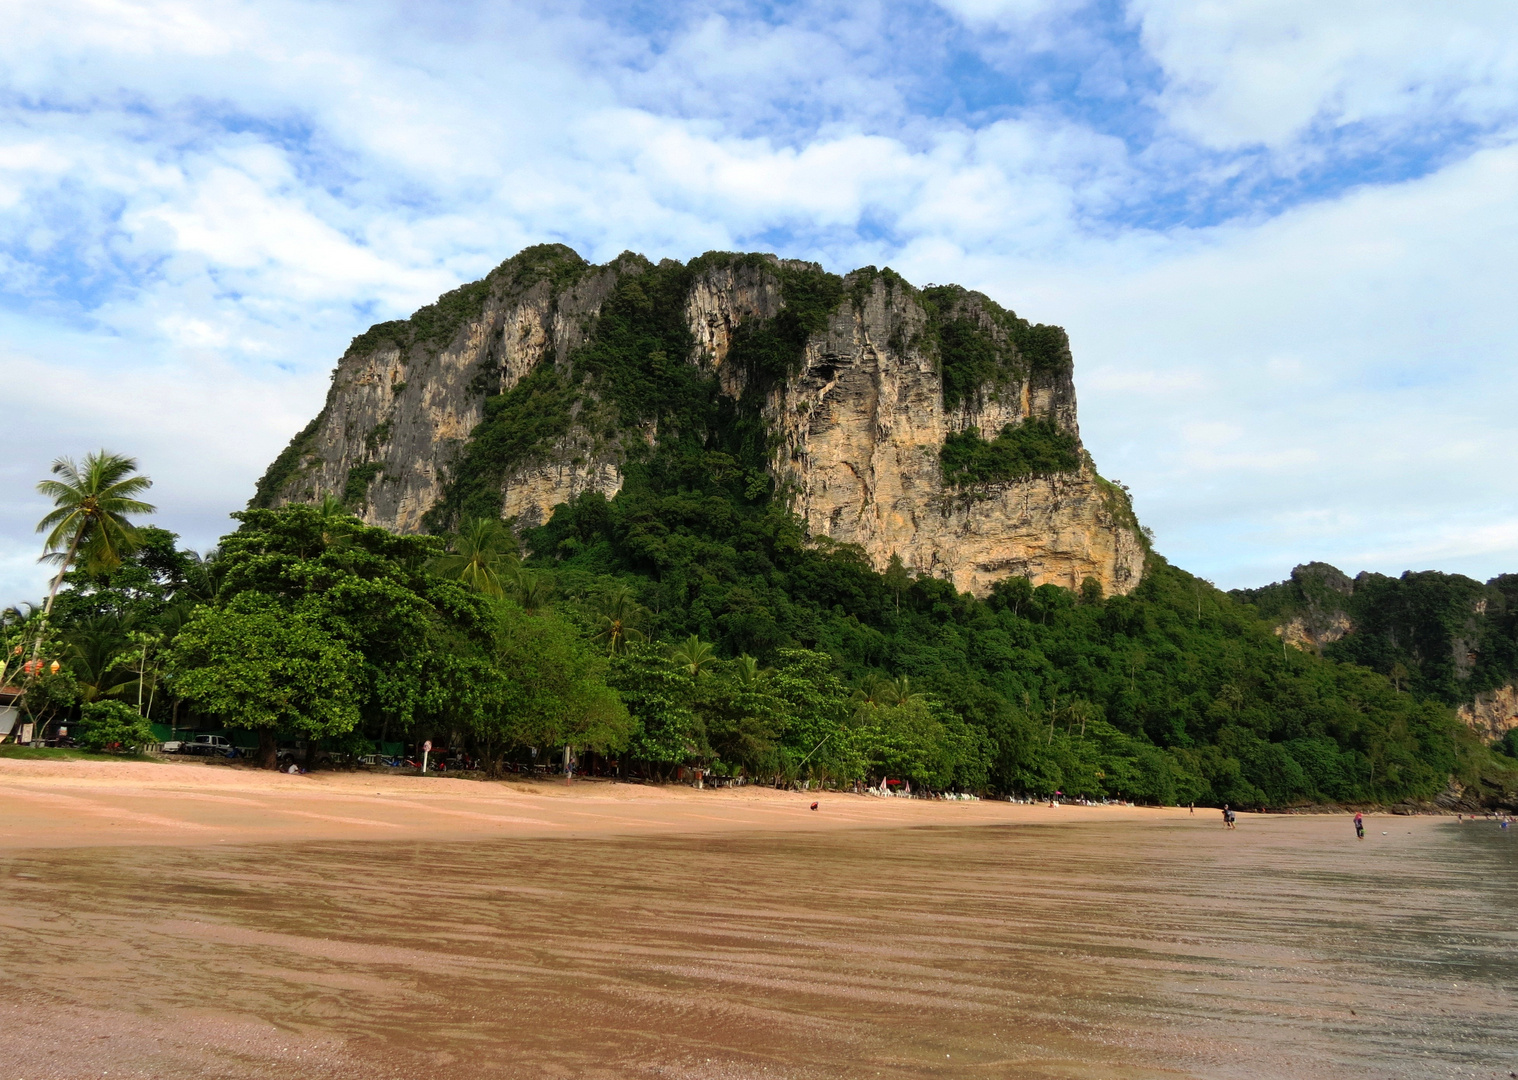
x: 204, y: 745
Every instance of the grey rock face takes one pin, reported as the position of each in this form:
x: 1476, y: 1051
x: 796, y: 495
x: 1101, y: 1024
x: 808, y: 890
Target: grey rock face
x: 857, y: 430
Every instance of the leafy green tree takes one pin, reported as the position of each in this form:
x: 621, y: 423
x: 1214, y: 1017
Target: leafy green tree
x: 553, y: 690
x: 423, y: 643
x: 19, y: 624
x: 819, y: 739
x: 912, y: 742
x: 257, y: 666
x: 49, y: 691
x: 531, y: 589
x: 741, y: 718
x: 897, y: 578
x: 113, y: 725
x: 658, y: 695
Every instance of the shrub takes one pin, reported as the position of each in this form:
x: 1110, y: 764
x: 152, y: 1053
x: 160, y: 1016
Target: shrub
x: 113, y: 725
x: 1032, y: 448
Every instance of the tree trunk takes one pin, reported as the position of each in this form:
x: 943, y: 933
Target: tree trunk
x: 268, y: 749
x: 52, y: 594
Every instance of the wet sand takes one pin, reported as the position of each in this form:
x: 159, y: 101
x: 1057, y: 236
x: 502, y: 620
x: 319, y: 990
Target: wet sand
x: 733, y: 934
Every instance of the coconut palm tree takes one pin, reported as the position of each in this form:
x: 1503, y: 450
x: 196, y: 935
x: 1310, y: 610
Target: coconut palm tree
x: 876, y: 692
x: 621, y: 619
x: 203, y: 575
x: 869, y: 696
x: 530, y: 589
x: 89, y: 517
x: 748, y: 674
x: 695, y: 656
x: 482, y: 556
x: 98, y: 650
x: 898, y: 692
x: 333, y: 516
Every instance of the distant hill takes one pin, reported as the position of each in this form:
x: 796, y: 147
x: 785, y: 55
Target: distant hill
x: 1444, y: 636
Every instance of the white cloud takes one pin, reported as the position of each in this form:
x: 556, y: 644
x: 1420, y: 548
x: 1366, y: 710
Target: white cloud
x: 199, y: 205
x: 1261, y: 71
x: 1350, y: 358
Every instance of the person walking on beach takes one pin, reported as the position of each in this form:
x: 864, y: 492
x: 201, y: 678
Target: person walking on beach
x: 1227, y: 817
x: 1359, y: 825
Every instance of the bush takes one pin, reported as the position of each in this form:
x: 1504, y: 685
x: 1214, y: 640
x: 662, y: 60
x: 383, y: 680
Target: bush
x: 112, y: 725
x: 1033, y: 448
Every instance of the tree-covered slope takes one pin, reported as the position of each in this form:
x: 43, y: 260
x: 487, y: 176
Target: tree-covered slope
x: 1442, y: 636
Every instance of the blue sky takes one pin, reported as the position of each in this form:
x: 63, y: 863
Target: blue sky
x: 1282, y: 238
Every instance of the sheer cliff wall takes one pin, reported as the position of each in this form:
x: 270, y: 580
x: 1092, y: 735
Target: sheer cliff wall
x: 482, y: 401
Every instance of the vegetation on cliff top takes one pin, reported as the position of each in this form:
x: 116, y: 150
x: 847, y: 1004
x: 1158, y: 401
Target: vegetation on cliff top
x: 972, y: 358
x: 435, y: 325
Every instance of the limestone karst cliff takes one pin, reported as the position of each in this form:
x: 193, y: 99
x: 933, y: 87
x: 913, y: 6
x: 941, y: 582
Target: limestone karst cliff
x: 925, y: 423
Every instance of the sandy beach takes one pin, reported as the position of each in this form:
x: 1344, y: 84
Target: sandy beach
x: 86, y: 803
x: 167, y: 921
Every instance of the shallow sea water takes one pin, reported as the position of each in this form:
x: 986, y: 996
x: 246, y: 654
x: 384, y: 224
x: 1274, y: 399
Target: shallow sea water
x: 1104, y: 948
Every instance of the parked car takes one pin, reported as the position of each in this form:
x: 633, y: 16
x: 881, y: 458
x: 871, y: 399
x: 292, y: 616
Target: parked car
x: 207, y: 746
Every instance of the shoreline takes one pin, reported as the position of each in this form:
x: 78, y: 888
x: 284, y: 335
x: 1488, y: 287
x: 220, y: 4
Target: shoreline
x: 75, y: 804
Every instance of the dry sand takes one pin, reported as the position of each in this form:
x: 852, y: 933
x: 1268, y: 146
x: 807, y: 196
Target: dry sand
x: 84, y: 803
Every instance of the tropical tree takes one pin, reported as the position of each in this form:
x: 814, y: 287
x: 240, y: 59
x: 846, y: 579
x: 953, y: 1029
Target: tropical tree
x: 898, y: 692
x: 531, y: 589
x: 897, y: 578
x: 95, y: 650
x: 551, y: 690
x: 481, y: 556
x: 257, y: 666
x: 333, y: 514
x: 16, y: 626
x: 89, y: 517
x: 878, y: 693
x: 694, y: 656
x: 417, y: 644
x: 741, y: 718
x: 619, y: 621
x: 748, y: 674
x: 657, y: 694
